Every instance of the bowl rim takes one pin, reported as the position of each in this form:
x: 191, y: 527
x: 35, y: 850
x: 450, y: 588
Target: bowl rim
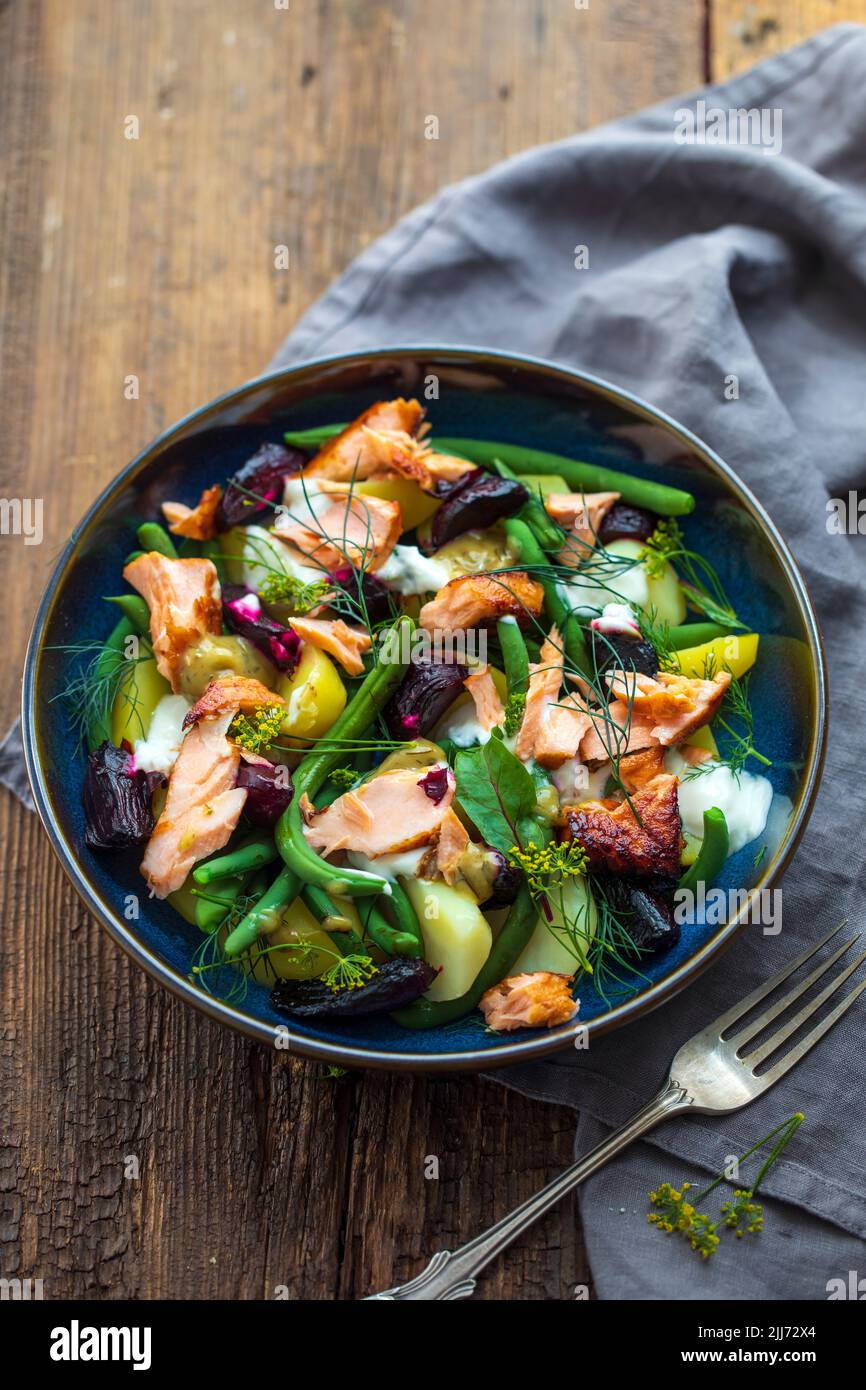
x: 474, y: 1060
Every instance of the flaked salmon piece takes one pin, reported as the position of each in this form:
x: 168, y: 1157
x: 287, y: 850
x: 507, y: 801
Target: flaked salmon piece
x: 451, y: 844
x: 562, y: 731
x: 676, y: 705
x: 552, y: 727
x: 202, y: 806
x: 358, y: 530
x: 538, y: 1000
x: 621, y: 842
x: 489, y: 709
x: 231, y: 693
x: 387, y: 814
x: 337, y: 638
x: 695, y: 756
x: 184, y: 601
x: 580, y: 515
x: 198, y: 522
x: 367, y: 445
x: 636, y: 770
x: 477, y: 600
x: 602, y: 743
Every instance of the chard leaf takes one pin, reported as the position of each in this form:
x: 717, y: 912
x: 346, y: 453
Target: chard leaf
x: 497, y: 793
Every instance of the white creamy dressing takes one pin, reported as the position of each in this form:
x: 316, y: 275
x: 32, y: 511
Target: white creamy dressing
x: 744, y: 802
x: 576, y: 783
x: 462, y: 726
x: 408, y: 571
x: 158, y: 751
x: 630, y: 587
x: 616, y: 618
x: 389, y: 865
x: 263, y: 553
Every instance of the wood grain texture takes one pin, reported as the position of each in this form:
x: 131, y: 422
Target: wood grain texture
x: 744, y: 31
x: 154, y: 257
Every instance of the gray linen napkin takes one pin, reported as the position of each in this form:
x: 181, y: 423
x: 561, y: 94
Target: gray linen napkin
x: 706, y: 260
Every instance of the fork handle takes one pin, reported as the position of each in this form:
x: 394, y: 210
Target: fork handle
x: 452, y: 1274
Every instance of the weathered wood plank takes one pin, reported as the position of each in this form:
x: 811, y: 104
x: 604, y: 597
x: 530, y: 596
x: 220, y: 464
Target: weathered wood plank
x: 744, y: 31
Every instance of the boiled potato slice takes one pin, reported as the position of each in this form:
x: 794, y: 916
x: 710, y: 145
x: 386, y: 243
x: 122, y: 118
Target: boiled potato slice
x: 297, y: 926
x: 416, y: 505
x: 314, y: 694
x: 552, y: 945
x: 736, y: 652
x: 456, y: 934
x: 141, y: 690
x: 663, y: 592
x: 475, y: 552
x: 223, y: 655
x: 703, y: 738
x: 544, y: 483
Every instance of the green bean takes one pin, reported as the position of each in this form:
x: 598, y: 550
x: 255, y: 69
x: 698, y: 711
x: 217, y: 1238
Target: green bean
x: 133, y: 555
x: 212, y: 550
x: 389, y: 939
x: 319, y: 434
x: 514, y: 656
x: 530, y: 553
x: 405, y: 916
x: 713, y: 851
x: 152, y: 536
x: 582, y: 477
x: 363, y: 708
x: 213, y: 907
x: 695, y: 634
x: 253, y: 854
x: 542, y: 526
x: 518, y: 928
x: 324, y: 910
x: 270, y: 905
x: 107, y: 663
x: 135, y: 609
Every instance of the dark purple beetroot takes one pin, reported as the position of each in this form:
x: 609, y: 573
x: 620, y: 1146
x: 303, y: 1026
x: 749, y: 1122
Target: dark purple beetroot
x: 435, y: 783
x: 647, y: 917
x: 428, y: 689
x: 116, y: 799
x: 506, y: 882
x: 376, y: 597
x: 257, y: 484
x: 614, y: 649
x: 269, y: 791
x: 624, y: 522
x: 396, y: 983
x: 245, y: 616
x: 478, y: 500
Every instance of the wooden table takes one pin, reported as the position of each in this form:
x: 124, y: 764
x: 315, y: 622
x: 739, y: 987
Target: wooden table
x: 153, y: 257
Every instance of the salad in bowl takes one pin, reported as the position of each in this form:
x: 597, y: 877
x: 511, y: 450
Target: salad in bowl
x: 420, y: 727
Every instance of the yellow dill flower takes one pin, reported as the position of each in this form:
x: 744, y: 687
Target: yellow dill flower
x: 257, y: 733
x: 548, y: 866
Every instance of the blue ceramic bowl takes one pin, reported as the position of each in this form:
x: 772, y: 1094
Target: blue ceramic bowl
x: 486, y: 395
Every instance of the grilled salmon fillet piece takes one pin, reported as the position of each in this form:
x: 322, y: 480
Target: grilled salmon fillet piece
x: 231, y: 693
x: 675, y: 705
x: 387, y: 439
x: 600, y: 743
x: 198, y: 522
x: 337, y: 638
x: 538, y: 1000
x: 202, y: 806
x: 477, y: 600
x: 386, y: 815
x: 616, y: 840
x: 553, y: 726
x: 184, y: 601
x: 356, y: 530
x: 580, y: 515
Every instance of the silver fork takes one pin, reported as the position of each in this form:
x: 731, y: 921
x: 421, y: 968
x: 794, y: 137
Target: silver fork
x: 707, y: 1076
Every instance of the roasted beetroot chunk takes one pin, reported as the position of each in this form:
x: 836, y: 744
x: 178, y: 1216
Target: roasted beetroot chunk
x: 257, y: 484
x: 506, y: 881
x: 428, y: 689
x: 618, y: 650
x: 269, y: 791
x: 625, y: 522
x: 396, y: 983
x: 646, y: 915
x: 244, y: 614
x: 371, y: 594
x: 116, y: 799
x: 477, y: 500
